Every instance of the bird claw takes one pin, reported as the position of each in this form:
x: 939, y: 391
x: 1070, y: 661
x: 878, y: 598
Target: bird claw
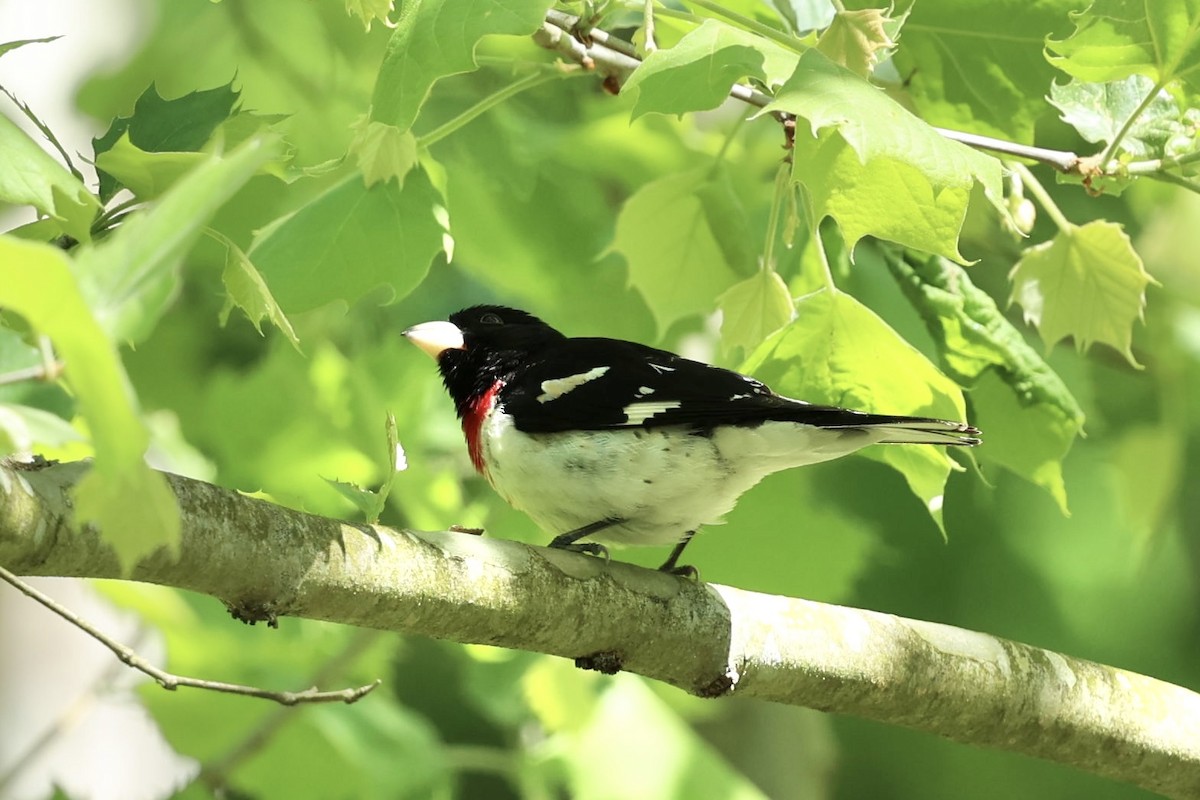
x: 685, y: 571
x: 591, y: 548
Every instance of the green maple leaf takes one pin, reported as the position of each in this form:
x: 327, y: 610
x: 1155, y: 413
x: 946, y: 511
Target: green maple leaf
x: 436, y: 38
x: 684, y: 237
x: 1027, y: 414
x: 875, y: 168
x: 1099, y: 111
x: 1114, y: 39
x: 860, y: 39
x: 839, y: 352
x: 697, y: 73
x: 1087, y: 283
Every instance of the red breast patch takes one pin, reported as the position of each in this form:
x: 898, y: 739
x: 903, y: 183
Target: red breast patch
x: 472, y: 424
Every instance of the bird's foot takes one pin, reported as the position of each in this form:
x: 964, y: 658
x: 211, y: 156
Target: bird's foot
x: 591, y: 548
x: 570, y: 539
x: 684, y: 571
x: 671, y: 565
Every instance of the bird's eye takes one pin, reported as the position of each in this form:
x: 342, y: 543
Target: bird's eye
x: 491, y: 319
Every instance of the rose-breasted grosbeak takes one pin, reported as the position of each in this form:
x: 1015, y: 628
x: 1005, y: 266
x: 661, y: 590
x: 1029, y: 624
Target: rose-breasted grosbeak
x: 610, y: 439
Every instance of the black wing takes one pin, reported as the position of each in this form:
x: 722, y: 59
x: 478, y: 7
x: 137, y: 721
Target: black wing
x: 596, y: 384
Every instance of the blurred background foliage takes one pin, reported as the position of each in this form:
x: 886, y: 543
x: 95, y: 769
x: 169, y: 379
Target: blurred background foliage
x: 534, y: 188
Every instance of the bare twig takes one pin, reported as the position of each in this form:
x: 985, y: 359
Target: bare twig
x: 171, y: 681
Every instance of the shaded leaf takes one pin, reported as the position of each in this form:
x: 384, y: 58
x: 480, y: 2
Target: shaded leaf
x: 159, y: 125
x: 8, y: 47
x: 973, y: 338
x: 350, y: 240
x: 684, y: 237
x: 979, y: 66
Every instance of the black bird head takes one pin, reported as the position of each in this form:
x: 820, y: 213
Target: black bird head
x: 481, y: 345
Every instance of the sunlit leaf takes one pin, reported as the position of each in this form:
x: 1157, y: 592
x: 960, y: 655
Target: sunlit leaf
x: 30, y: 176
x: 1114, y: 39
x: 1087, y: 283
x: 146, y: 174
x: 130, y: 276
x: 753, y: 309
x: 697, y: 73
x: 132, y: 504
x: 859, y: 39
x: 351, y: 240
x: 247, y: 290
x: 1099, y: 111
x: 370, y: 10
x: 383, y: 151
x: 838, y: 352
x: 875, y: 168
x: 436, y: 38
x: 684, y: 237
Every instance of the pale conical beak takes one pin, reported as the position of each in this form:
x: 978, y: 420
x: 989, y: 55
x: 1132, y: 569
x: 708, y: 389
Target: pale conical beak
x: 436, y: 337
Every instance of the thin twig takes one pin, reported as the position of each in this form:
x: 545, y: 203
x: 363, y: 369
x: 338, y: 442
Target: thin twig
x: 1111, y: 150
x: 170, y: 681
x: 615, y: 57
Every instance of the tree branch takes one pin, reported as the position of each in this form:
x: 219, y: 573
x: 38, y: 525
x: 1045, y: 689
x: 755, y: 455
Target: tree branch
x: 709, y: 640
x: 616, y: 58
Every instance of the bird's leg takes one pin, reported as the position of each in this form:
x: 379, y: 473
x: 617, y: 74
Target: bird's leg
x: 669, y: 566
x: 570, y: 539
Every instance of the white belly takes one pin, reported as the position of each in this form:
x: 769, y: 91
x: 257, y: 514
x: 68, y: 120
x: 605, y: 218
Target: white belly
x: 660, y: 484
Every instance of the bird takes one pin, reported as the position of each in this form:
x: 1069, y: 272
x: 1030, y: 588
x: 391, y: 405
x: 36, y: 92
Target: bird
x: 615, y: 441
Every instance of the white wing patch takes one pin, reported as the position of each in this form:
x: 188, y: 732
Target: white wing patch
x: 644, y: 391
x: 660, y: 369
x: 557, y: 387
x: 637, y: 413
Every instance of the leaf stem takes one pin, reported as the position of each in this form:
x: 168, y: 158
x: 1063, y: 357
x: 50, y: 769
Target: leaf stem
x: 1111, y: 150
x: 814, y: 228
x: 783, y: 180
x: 766, y: 31
x: 1042, y: 196
x: 486, y: 104
x: 648, y: 27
